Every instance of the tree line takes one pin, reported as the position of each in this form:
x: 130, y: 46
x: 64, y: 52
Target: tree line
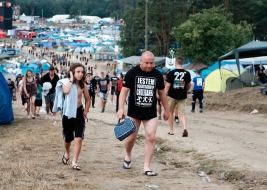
x: 202, y: 29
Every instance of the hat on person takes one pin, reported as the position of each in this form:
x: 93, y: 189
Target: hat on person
x: 51, y: 68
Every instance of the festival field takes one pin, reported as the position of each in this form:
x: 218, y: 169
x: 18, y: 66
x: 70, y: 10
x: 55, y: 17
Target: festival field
x: 225, y: 142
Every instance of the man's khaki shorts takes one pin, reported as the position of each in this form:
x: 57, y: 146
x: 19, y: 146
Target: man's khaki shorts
x: 180, y: 103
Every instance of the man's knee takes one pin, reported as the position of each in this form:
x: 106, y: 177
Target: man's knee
x: 150, y: 137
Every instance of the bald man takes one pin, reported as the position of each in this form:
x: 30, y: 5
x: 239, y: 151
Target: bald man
x: 143, y: 81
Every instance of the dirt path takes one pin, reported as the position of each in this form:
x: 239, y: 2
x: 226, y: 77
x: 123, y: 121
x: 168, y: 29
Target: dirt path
x: 31, y: 154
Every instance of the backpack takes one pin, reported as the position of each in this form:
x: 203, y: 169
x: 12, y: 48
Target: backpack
x: 119, y: 85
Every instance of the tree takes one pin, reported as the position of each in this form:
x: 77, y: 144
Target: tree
x: 208, y: 35
x: 162, y: 16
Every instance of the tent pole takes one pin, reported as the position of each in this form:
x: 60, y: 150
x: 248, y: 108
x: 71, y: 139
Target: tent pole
x: 238, y: 67
x: 219, y: 63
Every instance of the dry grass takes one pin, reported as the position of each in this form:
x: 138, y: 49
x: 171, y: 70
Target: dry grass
x: 191, y: 159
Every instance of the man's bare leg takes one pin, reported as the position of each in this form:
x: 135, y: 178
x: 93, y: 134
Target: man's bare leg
x: 171, y: 122
x: 129, y: 142
x: 150, y: 132
x: 77, y: 150
x: 183, y: 119
x: 47, y: 108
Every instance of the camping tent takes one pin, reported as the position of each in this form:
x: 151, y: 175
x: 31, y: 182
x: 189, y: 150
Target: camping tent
x: 6, y: 113
x: 213, y: 82
x: 249, y: 79
x: 233, y: 83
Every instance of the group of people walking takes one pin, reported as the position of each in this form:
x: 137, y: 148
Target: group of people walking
x: 141, y: 87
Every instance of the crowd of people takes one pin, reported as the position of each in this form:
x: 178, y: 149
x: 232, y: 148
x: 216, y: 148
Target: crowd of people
x: 143, y: 89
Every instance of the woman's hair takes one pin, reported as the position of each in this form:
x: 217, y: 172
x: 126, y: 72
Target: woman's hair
x: 121, y: 75
x: 72, y: 69
x: 26, y: 74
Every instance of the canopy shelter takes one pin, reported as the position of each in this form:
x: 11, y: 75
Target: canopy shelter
x: 136, y: 60
x: 251, y: 49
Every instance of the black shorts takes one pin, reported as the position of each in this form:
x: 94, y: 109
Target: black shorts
x: 38, y: 103
x: 73, y: 127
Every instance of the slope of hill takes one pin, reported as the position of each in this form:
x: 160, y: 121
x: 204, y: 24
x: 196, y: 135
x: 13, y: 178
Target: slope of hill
x: 245, y: 100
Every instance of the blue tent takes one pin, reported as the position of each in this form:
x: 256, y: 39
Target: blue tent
x: 6, y: 112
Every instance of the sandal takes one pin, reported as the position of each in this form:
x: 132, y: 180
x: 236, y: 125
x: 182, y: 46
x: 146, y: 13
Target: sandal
x: 65, y: 160
x: 151, y: 173
x: 76, y: 167
x: 128, y: 164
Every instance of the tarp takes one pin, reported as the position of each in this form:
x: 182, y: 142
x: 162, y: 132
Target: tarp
x: 6, y: 112
x: 251, y: 49
x: 196, y: 65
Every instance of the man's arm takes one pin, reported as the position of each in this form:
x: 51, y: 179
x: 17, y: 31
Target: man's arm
x: 87, y: 100
x: 188, y: 86
x: 167, y: 87
x: 203, y: 86
x: 163, y: 99
x: 122, y: 98
x: 108, y: 88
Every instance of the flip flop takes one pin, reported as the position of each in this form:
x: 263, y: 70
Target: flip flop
x: 170, y: 133
x: 65, y: 160
x: 128, y: 164
x: 151, y: 173
x: 76, y: 167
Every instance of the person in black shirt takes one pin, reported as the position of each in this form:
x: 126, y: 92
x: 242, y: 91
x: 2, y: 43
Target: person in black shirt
x: 91, y: 88
x: 143, y: 81
x: 113, y: 84
x: 52, y: 78
x: 260, y: 73
x: 103, y: 90
x: 12, y: 88
x: 177, y: 86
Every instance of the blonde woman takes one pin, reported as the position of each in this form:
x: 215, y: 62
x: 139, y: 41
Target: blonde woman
x: 30, y: 89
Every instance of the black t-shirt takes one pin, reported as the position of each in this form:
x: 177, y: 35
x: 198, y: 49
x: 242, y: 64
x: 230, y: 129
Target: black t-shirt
x: 103, y: 85
x: 142, y: 100
x: 178, y: 78
x: 90, y: 87
x: 46, y: 78
x: 261, y: 73
x: 94, y: 81
x: 114, y: 81
x: 11, y: 87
